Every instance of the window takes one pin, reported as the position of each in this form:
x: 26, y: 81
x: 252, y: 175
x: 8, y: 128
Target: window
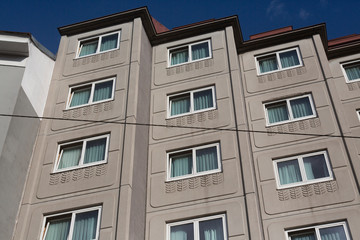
x: 76, y: 225
x: 280, y: 60
x: 91, y: 93
x: 194, y: 161
x: 351, y: 71
x: 207, y: 228
x: 191, y: 102
x: 102, y: 43
x: 190, y: 53
x: 90, y: 151
x: 291, y: 109
x: 334, y: 231
x: 302, y: 169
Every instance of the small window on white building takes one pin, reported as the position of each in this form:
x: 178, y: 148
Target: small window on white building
x: 333, y: 231
x: 99, y: 44
x: 189, y: 53
x: 351, y: 71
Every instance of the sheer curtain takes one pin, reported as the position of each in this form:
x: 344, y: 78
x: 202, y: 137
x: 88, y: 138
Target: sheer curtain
x: 206, y: 159
x: 180, y: 105
x: 289, y: 59
x: 289, y: 172
x: 200, y: 51
x: 315, y: 167
x: 88, y: 48
x: 277, y: 112
x: 85, y: 226
x: 181, y: 165
x: 211, y: 229
x: 306, y: 236
x: 95, y: 150
x: 103, y: 91
x: 333, y: 233
x: 182, y: 232
x: 353, y: 72
x: 58, y: 229
x: 80, y: 97
x: 203, y: 99
x: 70, y: 157
x: 109, y: 42
x: 301, y: 107
x: 179, y: 56
x: 268, y: 64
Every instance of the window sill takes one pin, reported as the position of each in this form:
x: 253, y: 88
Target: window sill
x: 182, y: 64
x: 79, y: 167
x: 289, y: 121
x: 88, y: 105
x: 94, y: 54
x: 280, y: 70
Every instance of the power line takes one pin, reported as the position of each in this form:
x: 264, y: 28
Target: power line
x: 175, y: 126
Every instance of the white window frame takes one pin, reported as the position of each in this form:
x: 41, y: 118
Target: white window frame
x: 99, y: 39
x: 191, y: 93
x: 196, y: 228
x: 343, y: 66
x: 92, y: 85
x: 277, y: 55
x: 81, y: 161
x: 193, y: 154
x: 291, y: 115
x: 300, y: 160
x: 316, y: 228
x: 45, y: 224
x: 189, y: 52
x: 358, y: 113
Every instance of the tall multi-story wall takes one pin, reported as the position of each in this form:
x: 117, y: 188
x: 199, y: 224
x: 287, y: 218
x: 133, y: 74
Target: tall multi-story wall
x: 25, y: 74
x: 193, y: 133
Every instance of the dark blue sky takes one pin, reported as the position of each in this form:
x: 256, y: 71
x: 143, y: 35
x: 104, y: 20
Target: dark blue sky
x: 42, y: 17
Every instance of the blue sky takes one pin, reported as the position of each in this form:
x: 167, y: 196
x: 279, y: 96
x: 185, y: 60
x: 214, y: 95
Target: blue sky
x: 42, y: 17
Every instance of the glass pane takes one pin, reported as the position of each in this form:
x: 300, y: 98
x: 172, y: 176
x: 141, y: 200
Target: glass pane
x: 277, y: 112
x: 180, y: 104
x: 353, y: 72
x: 95, y: 150
x: 181, y: 164
x: 289, y: 172
x: 182, y: 232
x: 333, y: 233
x: 179, y: 56
x: 211, y: 229
x: 85, y: 225
x: 80, y: 96
x: 301, y: 107
x: 200, y: 51
x: 58, y: 229
x: 268, y: 64
x: 203, y: 100
x: 103, y: 91
x: 303, y: 236
x: 88, y: 48
x: 206, y: 159
x: 289, y: 59
x: 70, y: 156
x: 109, y: 42
x: 315, y: 167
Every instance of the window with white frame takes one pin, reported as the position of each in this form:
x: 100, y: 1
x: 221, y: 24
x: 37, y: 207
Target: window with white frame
x: 189, y: 53
x: 290, y: 109
x: 333, y: 231
x: 280, y: 60
x: 99, y: 44
x: 194, y: 161
x: 302, y: 169
x: 191, y: 102
x: 81, y: 224
x: 82, y: 153
x: 206, y: 228
x: 351, y: 71
x: 91, y: 93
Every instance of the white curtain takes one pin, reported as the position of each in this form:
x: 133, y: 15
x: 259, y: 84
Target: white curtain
x: 181, y: 165
x: 289, y: 59
x: 277, y: 112
x: 180, y: 104
x: 85, y: 225
x: 200, y: 51
x: 268, y: 64
x: 109, y: 42
x: 70, y: 156
x: 203, y: 99
x: 95, y: 150
x: 211, y: 229
x: 289, y: 172
x: 206, y: 159
x: 58, y: 229
x: 333, y: 233
x: 301, y: 107
x: 182, y: 232
x: 88, y: 48
x: 103, y: 91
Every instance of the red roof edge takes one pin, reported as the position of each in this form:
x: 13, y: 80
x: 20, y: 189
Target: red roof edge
x: 272, y: 32
x: 158, y: 26
x: 344, y: 39
x: 193, y: 24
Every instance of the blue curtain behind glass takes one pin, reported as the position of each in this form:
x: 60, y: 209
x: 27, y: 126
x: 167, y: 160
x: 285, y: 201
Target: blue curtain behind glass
x: 333, y: 233
x: 109, y: 42
x: 289, y: 172
x: 179, y: 56
x: 182, y: 232
x: 58, y: 229
x: 353, y: 72
x: 200, y: 51
x: 206, y: 159
x: 306, y: 236
x: 211, y: 230
x: 95, y: 150
x: 203, y: 100
x: 289, y: 59
x: 315, y: 167
x: 80, y: 97
x: 301, y: 107
x: 181, y: 165
x: 70, y: 157
x: 268, y: 64
x: 85, y: 226
x: 180, y: 105
x: 88, y: 48
x: 103, y: 91
x: 277, y: 113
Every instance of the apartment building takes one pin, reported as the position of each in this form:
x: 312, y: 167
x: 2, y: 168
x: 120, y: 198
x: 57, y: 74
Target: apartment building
x: 194, y: 133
